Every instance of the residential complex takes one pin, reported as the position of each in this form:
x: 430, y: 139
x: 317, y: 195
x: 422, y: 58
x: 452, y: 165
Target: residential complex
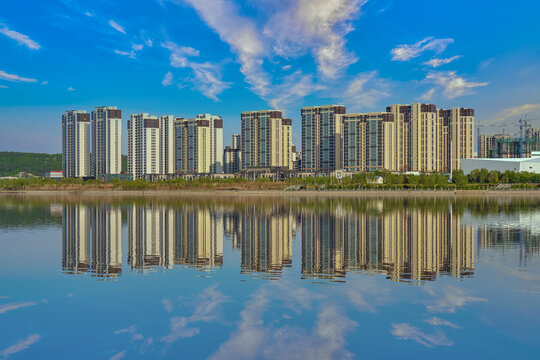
x: 265, y: 140
x: 417, y: 138
x: 106, y: 141
x: 428, y: 139
x: 76, y: 144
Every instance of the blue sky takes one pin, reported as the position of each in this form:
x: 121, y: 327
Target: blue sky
x: 184, y: 57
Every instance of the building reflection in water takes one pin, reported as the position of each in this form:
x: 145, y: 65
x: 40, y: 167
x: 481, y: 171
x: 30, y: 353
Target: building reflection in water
x: 407, y: 244
x: 161, y: 236
x: 416, y: 245
x: 521, y: 233
x: 92, y: 240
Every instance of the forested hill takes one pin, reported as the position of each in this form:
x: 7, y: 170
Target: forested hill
x: 12, y: 163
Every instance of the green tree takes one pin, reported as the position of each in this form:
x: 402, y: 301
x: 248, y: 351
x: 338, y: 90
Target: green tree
x: 493, y: 177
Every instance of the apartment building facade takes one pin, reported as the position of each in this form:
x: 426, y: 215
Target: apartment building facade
x: 368, y: 141
x: 322, y: 138
x: 266, y: 140
x: 199, y: 145
x: 166, y: 140
x: 144, y: 146
x: 430, y: 140
x: 76, y: 160
x: 106, y: 141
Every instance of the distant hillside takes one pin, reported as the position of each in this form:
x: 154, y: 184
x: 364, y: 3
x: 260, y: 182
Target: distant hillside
x: 12, y: 163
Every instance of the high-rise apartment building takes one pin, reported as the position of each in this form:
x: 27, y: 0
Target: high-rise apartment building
x: 199, y: 145
x: 106, y: 141
x: 166, y: 139
x: 368, y: 142
x: 322, y: 138
x: 232, y: 156
x: 144, y: 146
x: 266, y: 140
x: 431, y: 140
x: 231, y: 160
x: 76, y: 144
x: 458, y: 124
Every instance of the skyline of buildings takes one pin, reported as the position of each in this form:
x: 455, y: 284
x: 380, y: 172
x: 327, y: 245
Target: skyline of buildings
x: 405, y: 138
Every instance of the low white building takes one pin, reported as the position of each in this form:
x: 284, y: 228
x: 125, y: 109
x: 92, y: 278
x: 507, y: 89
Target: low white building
x: 518, y: 165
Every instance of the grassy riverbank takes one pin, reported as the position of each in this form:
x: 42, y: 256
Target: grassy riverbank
x: 477, y: 180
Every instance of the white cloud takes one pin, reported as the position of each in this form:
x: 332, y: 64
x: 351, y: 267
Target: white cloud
x: 137, y: 47
x: 70, y: 89
x: 146, y: 40
x: 15, y: 78
x: 286, y: 67
x: 435, y: 321
x: 3, y: 87
x: 89, y: 14
x: 167, y: 303
x: 452, y: 299
x: 435, y: 63
x: 242, y: 36
x: 366, y: 89
x: 255, y: 339
x: 20, y: 38
x: 406, y: 52
x: 207, y: 77
x: 44, y: 83
x: 319, y: 26
x: 513, y: 111
x: 15, y: 306
x: 117, y: 26
x: 130, y: 54
x: 428, y: 95
x: 19, y: 346
x: 451, y: 84
x: 207, y: 308
x: 405, y: 331
x: 119, y: 356
x: 294, y: 87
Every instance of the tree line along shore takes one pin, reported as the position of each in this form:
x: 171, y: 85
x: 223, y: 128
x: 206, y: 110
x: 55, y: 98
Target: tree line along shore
x: 481, y: 179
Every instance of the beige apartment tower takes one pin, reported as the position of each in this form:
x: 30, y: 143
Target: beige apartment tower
x: 106, y: 141
x: 265, y: 140
x: 144, y: 146
x: 458, y: 125
x: 199, y: 145
x: 76, y: 144
x: 429, y: 140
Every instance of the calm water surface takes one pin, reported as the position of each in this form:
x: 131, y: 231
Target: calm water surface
x: 267, y: 278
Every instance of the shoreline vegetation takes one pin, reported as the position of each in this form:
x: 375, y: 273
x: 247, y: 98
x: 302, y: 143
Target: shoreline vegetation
x: 378, y: 181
